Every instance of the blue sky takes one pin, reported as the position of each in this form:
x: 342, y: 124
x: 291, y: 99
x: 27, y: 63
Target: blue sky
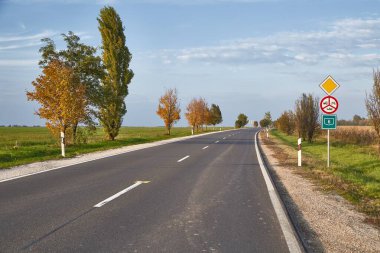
x: 248, y: 56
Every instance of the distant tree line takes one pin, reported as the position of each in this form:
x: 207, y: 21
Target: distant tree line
x: 356, y: 121
x: 304, y: 120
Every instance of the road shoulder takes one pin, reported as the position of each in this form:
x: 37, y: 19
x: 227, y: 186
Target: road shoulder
x: 325, y: 221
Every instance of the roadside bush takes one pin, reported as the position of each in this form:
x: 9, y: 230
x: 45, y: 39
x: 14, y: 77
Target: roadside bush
x: 286, y: 123
x: 83, y: 134
x: 307, y: 116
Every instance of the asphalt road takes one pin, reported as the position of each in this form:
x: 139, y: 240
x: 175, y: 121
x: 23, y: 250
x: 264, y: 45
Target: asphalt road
x: 205, y: 194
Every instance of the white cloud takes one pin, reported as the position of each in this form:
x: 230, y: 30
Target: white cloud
x: 347, y: 41
x: 37, y: 36
x: 17, y: 46
x: 18, y: 41
x: 22, y: 26
x: 17, y: 63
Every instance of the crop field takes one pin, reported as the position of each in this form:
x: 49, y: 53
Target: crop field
x: 359, y: 135
x: 355, y: 165
x: 21, y: 145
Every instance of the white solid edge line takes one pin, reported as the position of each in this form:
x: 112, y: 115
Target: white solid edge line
x: 100, y: 204
x: 151, y: 145
x: 205, y: 147
x: 286, y: 228
x: 180, y: 160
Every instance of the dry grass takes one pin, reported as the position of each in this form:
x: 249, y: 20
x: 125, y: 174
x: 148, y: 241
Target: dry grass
x: 358, y: 128
x: 358, y: 135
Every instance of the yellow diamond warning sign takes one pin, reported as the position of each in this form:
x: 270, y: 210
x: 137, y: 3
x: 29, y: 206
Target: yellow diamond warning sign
x: 329, y: 85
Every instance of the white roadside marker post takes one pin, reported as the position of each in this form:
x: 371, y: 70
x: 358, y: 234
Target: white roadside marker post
x: 299, y: 152
x: 267, y: 133
x: 63, y: 143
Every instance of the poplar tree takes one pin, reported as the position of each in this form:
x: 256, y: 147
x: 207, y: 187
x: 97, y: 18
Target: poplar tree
x: 116, y: 58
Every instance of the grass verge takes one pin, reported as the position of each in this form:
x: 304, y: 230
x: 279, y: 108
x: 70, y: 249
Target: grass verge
x: 354, y: 171
x: 22, y: 145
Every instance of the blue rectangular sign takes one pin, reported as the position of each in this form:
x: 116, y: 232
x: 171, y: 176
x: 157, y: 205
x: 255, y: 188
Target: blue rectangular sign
x: 329, y: 121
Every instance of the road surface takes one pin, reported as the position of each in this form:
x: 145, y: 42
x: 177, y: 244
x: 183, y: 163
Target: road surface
x: 205, y: 194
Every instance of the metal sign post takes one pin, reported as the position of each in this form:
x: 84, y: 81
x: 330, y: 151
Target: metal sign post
x: 328, y: 123
x: 328, y: 148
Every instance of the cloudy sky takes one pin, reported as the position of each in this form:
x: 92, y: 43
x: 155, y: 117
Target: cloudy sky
x: 248, y: 56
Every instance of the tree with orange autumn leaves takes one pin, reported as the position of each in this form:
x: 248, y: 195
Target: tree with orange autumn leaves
x: 169, y: 108
x: 61, y: 95
x: 197, y: 113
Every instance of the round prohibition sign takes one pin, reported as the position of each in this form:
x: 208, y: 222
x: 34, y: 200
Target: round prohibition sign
x: 329, y: 104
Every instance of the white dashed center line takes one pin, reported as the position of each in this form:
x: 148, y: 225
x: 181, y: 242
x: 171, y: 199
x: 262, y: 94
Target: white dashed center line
x: 205, y: 147
x: 100, y: 204
x: 180, y: 160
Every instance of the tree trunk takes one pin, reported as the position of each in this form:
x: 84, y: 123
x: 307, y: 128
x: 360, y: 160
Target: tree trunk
x: 74, y: 136
x: 111, y: 137
x: 63, y: 130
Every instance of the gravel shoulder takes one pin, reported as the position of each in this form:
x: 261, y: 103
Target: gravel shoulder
x: 325, y: 221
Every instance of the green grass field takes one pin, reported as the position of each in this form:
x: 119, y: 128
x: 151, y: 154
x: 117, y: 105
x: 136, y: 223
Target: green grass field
x: 37, y: 144
x: 354, y: 170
